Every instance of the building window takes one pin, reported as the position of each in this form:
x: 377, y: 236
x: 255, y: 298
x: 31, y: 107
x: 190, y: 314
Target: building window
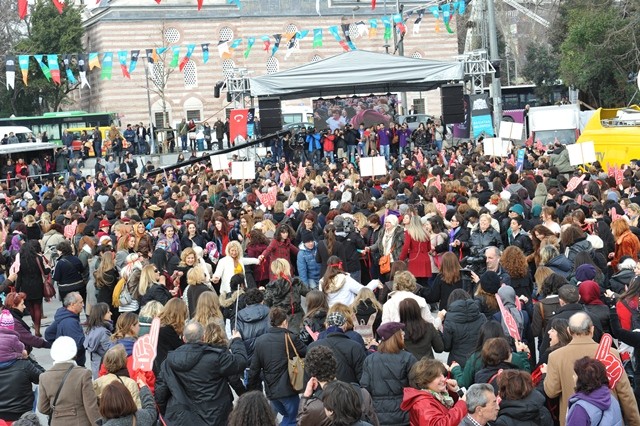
x: 190, y: 75
x: 158, y: 77
x: 316, y: 58
x: 416, y: 55
x: 193, y: 114
x: 158, y: 118
x: 225, y: 34
x: 171, y: 35
x: 273, y: 65
x: 291, y: 29
x: 227, y: 67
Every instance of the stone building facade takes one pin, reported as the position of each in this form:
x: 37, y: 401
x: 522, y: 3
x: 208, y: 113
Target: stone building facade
x: 116, y: 25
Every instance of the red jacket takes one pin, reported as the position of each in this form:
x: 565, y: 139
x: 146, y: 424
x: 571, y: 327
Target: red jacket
x: 260, y: 271
x: 425, y: 410
x: 417, y: 254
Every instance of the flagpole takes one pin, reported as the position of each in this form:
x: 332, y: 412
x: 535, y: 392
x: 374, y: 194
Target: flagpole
x: 152, y: 143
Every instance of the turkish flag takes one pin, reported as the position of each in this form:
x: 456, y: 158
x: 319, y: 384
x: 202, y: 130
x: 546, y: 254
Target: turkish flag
x: 238, y: 124
x: 22, y: 8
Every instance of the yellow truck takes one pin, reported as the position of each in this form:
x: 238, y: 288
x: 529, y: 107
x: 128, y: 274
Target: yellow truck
x: 615, y: 133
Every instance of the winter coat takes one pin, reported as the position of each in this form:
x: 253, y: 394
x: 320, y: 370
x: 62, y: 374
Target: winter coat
x: 10, y: 345
x: 280, y: 250
x: 626, y: 245
x: 68, y: 274
x: 253, y: 322
x: 261, y: 270
x: 440, y: 291
x: 489, y: 374
x: 416, y: 253
x: 145, y: 416
x: 193, y: 389
x: 425, y: 346
x: 560, y: 265
x: 385, y: 376
x: 540, y: 197
x: 270, y: 358
x: 460, y: 328
x: 29, y: 280
x: 225, y: 269
x: 559, y: 158
x: 397, y: 242
x: 29, y: 340
x: 543, y: 312
x: 287, y: 294
x: 308, y: 268
x: 467, y: 376
x: 16, y: 395
x: 98, y: 343
x: 349, y: 354
x: 228, y: 305
x: 130, y: 384
x: 578, y: 246
x: 168, y: 340
x: 77, y: 404
x: 311, y: 411
x: 157, y: 292
x: 480, y: 240
x: 66, y: 323
x: 323, y: 255
x: 391, y: 309
x: 364, y: 310
x: 529, y: 411
x: 344, y: 289
x: 620, y: 280
x: 351, y: 243
x: 315, y: 322
x: 193, y: 292
x: 425, y: 410
x: 594, y: 408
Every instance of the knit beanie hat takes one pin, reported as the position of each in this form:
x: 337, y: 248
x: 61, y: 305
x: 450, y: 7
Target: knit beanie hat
x: 585, y: 272
x: 6, y: 320
x: 490, y: 282
x: 336, y: 319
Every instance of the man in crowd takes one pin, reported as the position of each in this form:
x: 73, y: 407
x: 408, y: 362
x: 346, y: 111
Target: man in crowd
x: 482, y: 405
x: 66, y: 322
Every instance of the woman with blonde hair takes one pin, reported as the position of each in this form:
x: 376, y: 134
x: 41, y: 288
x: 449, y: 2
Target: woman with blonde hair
x: 172, y: 322
x: 148, y: 312
x: 144, y: 242
x: 106, y: 277
x: 268, y: 228
x: 196, y: 287
x: 188, y: 259
x: 233, y: 263
x: 115, y: 364
x: 126, y: 246
x: 404, y: 286
x: 285, y: 292
x: 151, y: 287
x: 338, y: 286
x: 314, y: 320
x: 627, y: 244
x: 208, y: 310
x: 415, y: 251
x: 366, y: 304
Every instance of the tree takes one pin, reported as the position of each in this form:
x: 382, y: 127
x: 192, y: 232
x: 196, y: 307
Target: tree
x: 12, y: 30
x: 541, y: 68
x: 160, y: 74
x: 48, y: 32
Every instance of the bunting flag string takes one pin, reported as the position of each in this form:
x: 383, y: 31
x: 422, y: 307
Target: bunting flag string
x: 52, y: 62
x: 107, y: 66
x: 373, y: 27
x: 10, y: 69
x: 266, y: 40
x: 291, y: 46
x: 205, y: 52
x: 176, y: 56
x: 43, y: 66
x: 94, y: 61
x: 134, y: 60
x: 59, y: 5
x: 23, y: 5
x: 187, y: 56
x: 387, y: 28
x: 122, y: 58
x: 250, y: 42
x: 151, y: 60
x: 334, y: 32
x: 317, y: 37
x: 23, y: 61
x: 82, y: 71
x: 362, y: 29
x: 223, y: 49
x: 347, y: 36
x: 416, y: 23
x: 399, y: 24
x: 276, y: 44
x: 66, y: 61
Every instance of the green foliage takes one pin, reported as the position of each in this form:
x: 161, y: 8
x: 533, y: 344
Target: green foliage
x: 595, y: 56
x: 49, y: 33
x: 542, y: 68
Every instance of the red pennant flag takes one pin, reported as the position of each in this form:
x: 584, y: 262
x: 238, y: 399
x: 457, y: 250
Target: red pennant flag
x: 267, y: 45
x: 125, y: 71
x: 59, y: 5
x: 22, y: 8
x: 199, y: 4
x: 182, y: 63
x: 344, y: 45
x: 539, y: 146
x: 373, y: 4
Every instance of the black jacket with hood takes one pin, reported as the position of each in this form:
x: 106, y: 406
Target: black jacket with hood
x: 460, y: 330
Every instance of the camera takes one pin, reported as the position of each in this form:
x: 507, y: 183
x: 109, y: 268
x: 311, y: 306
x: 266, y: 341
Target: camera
x: 476, y: 261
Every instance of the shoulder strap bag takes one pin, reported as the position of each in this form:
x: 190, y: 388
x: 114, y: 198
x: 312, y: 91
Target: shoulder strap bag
x: 295, y: 366
x: 55, y: 399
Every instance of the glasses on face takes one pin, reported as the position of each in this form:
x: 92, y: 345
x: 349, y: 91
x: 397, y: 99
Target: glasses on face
x: 156, y: 271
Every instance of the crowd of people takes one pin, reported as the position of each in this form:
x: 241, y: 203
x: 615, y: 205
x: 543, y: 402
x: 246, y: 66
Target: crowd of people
x: 323, y: 296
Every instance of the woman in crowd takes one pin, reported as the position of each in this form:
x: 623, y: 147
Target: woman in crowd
x: 497, y: 357
x: 144, y: 241
x: 106, y: 277
x: 196, y: 286
x: 168, y: 239
x: 314, y: 320
x: 15, y: 304
x: 449, y: 279
x: 385, y: 374
x: 233, y: 263
x: 404, y: 286
x: 33, y: 270
x: 192, y: 237
x: 520, y: 402
x: 548, y: 303
x: 514, y: 262
x: 590, y: 297
x: 188, y: 260
x: 256, y: 244
x: 280, y: 247
x: 485, y: 294
x: 552, y: 259
x: 420, y: 337
x: 285, y: 292
x: 416, y: 249
x: 462, y: 323
x: 338, y: 286
x: 97, y: 341
x: 208, y: 310
x: 626, y: 244
x: 117, y: 407
x: 573, y: 240
x: 627, y: 304
x: 558, y: 337
x: 172, y: 322
x: 150, y: 287
x: 126, y: 246
x: 433, y: 396
x: 148, y: 312
x: 592, y: 403
x: 435, y: 229
x: 485, y: 235
x: 342, y: 404
x: 365, y: 305
x: 328, y: 248
x: 115, y: 364
x: 309, y: 223
x: 390, y: 241
x: 252, y: 408
x: 68, y: 272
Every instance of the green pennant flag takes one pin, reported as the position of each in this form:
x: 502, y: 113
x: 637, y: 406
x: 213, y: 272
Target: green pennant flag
x: 176, y: 57
x: 43, y: 66
x: 317, y: 37
x: 250, y: 42
x: 107, y: 66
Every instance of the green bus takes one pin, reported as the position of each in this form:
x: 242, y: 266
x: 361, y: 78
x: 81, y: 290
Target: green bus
x: 54, y: 123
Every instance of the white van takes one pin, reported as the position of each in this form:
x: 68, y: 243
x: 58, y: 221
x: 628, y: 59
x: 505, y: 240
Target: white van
x: 23, y: 133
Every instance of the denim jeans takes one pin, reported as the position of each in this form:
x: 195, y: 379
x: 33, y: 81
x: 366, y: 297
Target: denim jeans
x: 384, y: 150
x: 439, y: 145
x: 288, y: 407
x: 362, y: 150
x: 330, y: 155
x: 183, y: 139
x: 351, y: 152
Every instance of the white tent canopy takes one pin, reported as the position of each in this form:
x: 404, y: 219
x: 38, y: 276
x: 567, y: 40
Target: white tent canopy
x: 357, y: 72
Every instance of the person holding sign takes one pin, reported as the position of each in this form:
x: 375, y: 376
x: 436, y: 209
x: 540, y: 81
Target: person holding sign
x: 560, y: 379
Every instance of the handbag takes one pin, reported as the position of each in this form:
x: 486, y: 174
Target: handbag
x: 366, y: 330
x: 125, y: 298
x: 295, y: 366
x: 385, y: 264
x: 48, y: 290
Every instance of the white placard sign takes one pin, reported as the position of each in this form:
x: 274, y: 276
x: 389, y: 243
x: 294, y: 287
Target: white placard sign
x: 510, y: 130
x: 581, y: 153
x: 243, y: 170
x: 261, y: 151
x: 373, y: 166
x: 219, y: 162
x: 496, y: 147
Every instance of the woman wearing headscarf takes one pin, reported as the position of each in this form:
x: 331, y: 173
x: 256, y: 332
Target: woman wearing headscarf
x: 590, y: 297
x: 508, y: 296
x: 390, y: 240
x: 168, y: 239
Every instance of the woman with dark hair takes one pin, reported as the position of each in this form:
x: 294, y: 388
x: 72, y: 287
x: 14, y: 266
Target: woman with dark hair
x: 548, y: 303
x: 449, y: 279
x: 280, y: 247
x: 459, y: 236
x: 167, y: 263
x: 117, y: 406
x: 627, y: 304
x: 310, y: 224
x: 496, y: 357
x: 573, y: 240
x: 520, y: 403
x: 192, y: 237
x: 627, y: 244
x: 338, y: 286
x: 420, y: 337
x: 342, y: 404
x: 328, y: 247
x: 33, y: 269
x: 558, y: 337
x: 584, y: 258
x: 385, y: 374
x: 314, y: 320
x: 97, y: 341
x: 68, y: 272
x: 433, y: 396
x: 592, y: 404
x: 435, y: 229
x: 256, y: 244
x: 540, y: 235
x: 252, y: 408
x: 168, y: 239
x: 461, y: 323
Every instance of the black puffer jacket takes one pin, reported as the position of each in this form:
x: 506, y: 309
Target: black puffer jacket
x: 16, y: 395
x: 349, y: 354
x: 460, y: 330
x: 315, y: 323
x: 560, y: 265
x: 480, y: 240
x: 530, y: 411
x: 270, y: 358
x: 156, y: 292
x: 578, y: 246
x: 253, y: 322
x: 193, y: 389
x: 490, y: 374
x: 385, y: 376
x: 351, y: 243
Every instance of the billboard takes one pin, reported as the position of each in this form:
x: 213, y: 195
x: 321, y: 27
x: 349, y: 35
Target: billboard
x: 332, y: 114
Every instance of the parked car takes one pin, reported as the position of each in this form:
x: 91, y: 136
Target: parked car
x: 414, y: 120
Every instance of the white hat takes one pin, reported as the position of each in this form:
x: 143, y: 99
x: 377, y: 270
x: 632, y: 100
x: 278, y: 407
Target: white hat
x: 315, y: 202
x: 334, y: 204
x: 505, y: 195
x: 627, y: 264
x: 63, y: 349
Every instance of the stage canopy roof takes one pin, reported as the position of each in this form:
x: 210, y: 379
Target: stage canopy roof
x: 357, y: 72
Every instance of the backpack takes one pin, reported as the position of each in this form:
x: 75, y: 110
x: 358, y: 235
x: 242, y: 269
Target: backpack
x: 635, y: 316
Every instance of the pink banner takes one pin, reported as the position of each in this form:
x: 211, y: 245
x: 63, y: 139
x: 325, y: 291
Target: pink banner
x: 511, y: 324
